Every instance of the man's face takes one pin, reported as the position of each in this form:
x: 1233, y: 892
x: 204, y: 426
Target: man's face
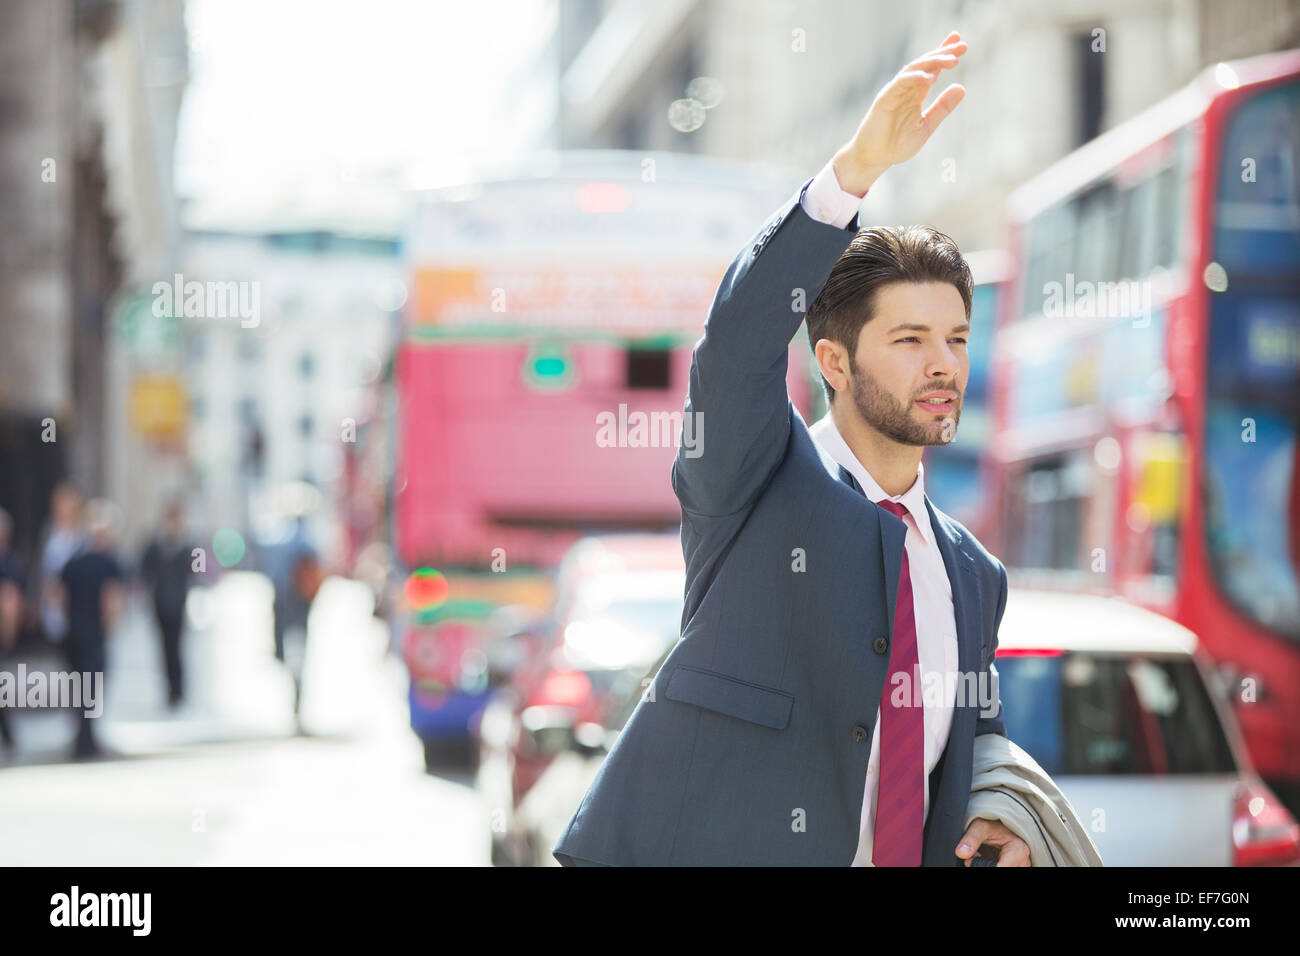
x: 911, y: 356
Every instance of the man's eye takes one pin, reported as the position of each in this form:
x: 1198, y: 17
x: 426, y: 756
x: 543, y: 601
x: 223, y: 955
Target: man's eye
x: 960, y: 339
x: 910, y: 338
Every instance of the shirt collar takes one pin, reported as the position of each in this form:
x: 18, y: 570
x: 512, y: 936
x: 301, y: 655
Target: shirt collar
x: 826, y: 434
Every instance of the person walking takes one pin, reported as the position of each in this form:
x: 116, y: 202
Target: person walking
x: 63, y: 538
x: 93, y: 599
x: 167, y: 570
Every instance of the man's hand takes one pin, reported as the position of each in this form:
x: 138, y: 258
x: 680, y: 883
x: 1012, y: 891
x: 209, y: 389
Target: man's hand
x: 895, y: 128
x: 1012, y: 851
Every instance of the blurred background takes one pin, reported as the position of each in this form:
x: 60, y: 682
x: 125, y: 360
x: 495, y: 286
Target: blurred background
x: 343, y: 352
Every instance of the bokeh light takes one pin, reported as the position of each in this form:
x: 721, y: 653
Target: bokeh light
x: 228, y: 547
x: 426, y: 589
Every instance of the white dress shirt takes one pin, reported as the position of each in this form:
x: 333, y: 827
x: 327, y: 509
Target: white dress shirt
x: 825, y: 201
x: 936, y: 623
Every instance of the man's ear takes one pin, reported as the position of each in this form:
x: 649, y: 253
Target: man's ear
x: 833, y: 362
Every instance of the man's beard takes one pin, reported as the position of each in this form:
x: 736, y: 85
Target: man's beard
x: 883, y: 413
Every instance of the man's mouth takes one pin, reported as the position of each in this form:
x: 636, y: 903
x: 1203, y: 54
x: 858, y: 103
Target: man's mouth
x: 938, y: 405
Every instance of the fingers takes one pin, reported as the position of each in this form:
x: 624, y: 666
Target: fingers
x: 949, y: 47
x: 1014, y: 853
x: 975, y: 834
x: 942, y: 106
x: 932, y: 64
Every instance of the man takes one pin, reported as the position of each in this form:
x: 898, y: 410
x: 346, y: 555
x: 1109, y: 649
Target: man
x: 63, y: 539
x: 294, y: 568
x: 787, y: 726
x: 167, y: 571
x: 93, y: 599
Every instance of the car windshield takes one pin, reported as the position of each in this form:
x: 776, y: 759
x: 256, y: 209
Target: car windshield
x: 1096, y: 714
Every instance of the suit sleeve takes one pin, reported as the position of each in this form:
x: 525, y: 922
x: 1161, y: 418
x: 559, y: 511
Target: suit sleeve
x: 994, y: 724
x: 737, y: 401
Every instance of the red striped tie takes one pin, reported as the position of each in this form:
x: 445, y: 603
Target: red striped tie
x: 900, y: 801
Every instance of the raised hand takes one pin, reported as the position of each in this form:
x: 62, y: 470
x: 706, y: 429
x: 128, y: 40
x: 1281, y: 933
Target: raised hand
x: 895, y: 128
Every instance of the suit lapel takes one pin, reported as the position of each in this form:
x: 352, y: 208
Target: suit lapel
x: 957, y: 560
x: 965, y: 588
x: 949, y: 795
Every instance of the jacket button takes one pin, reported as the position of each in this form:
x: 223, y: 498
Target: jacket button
x: 860, y: 733
x: 757, y: 248
x: 880, y: 645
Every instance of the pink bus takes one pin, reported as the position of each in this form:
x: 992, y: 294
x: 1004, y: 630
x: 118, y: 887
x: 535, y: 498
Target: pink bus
x: 541, y: 381
x: 542, y: 373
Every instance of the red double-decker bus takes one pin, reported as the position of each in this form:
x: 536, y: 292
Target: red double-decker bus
x: 542, y: 371
x: 1147, y: 382
x: 547, y: 346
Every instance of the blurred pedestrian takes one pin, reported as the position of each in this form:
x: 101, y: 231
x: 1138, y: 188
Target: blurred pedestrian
x: 64, y: 537
x: 294, y: 568
x: 93, y: 599
x: 11, y: 610
x: 166, y: 568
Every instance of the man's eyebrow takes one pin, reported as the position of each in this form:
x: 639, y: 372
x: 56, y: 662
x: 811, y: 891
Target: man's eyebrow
x: 918, y: 327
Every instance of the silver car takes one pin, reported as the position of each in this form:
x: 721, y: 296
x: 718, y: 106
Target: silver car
x: 1115, y: 703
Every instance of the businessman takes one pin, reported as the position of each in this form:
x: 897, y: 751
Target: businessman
x: 836, y: 657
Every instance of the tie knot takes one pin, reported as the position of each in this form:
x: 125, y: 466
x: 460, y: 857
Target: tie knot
x: 894, y: 507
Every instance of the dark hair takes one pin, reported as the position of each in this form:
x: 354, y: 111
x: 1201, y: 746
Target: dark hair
x: 876, y: 257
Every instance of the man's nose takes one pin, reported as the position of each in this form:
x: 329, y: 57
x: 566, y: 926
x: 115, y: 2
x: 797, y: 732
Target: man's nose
x: 943, y: 363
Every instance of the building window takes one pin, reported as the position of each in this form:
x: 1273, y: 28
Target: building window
x: 1089, y: 88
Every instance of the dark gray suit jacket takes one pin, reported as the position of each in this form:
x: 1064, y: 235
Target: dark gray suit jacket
x: 751, y: 744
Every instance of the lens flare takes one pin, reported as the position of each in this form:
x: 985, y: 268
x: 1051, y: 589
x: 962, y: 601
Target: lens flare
x: 426, y: 589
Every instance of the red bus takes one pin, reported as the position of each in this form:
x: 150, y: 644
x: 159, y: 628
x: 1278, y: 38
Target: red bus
x: 547, y: 343
x: 542, y: 371
x: 1147, y: 382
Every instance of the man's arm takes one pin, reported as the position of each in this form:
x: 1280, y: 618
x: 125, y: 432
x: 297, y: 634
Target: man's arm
x: 738, y: 412
x: 112, y: 599
x: 737, y: 404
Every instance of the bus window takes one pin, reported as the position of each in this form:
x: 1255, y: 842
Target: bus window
x: 1257, y: 213
x: 648, y: 368
x: 1098, y: 227
x: 1045, y: 513
x: 1051, y: 253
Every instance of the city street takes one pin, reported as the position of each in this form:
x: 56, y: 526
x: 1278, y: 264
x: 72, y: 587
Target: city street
x: 226, y: 779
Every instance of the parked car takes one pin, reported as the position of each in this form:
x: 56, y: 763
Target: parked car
x: 618, y: 613
x: 1114, y: 702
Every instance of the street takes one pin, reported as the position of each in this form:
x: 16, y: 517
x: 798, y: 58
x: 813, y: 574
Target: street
x: 226, y: 779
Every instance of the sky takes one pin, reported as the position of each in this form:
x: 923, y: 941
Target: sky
x: 304, y: 98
